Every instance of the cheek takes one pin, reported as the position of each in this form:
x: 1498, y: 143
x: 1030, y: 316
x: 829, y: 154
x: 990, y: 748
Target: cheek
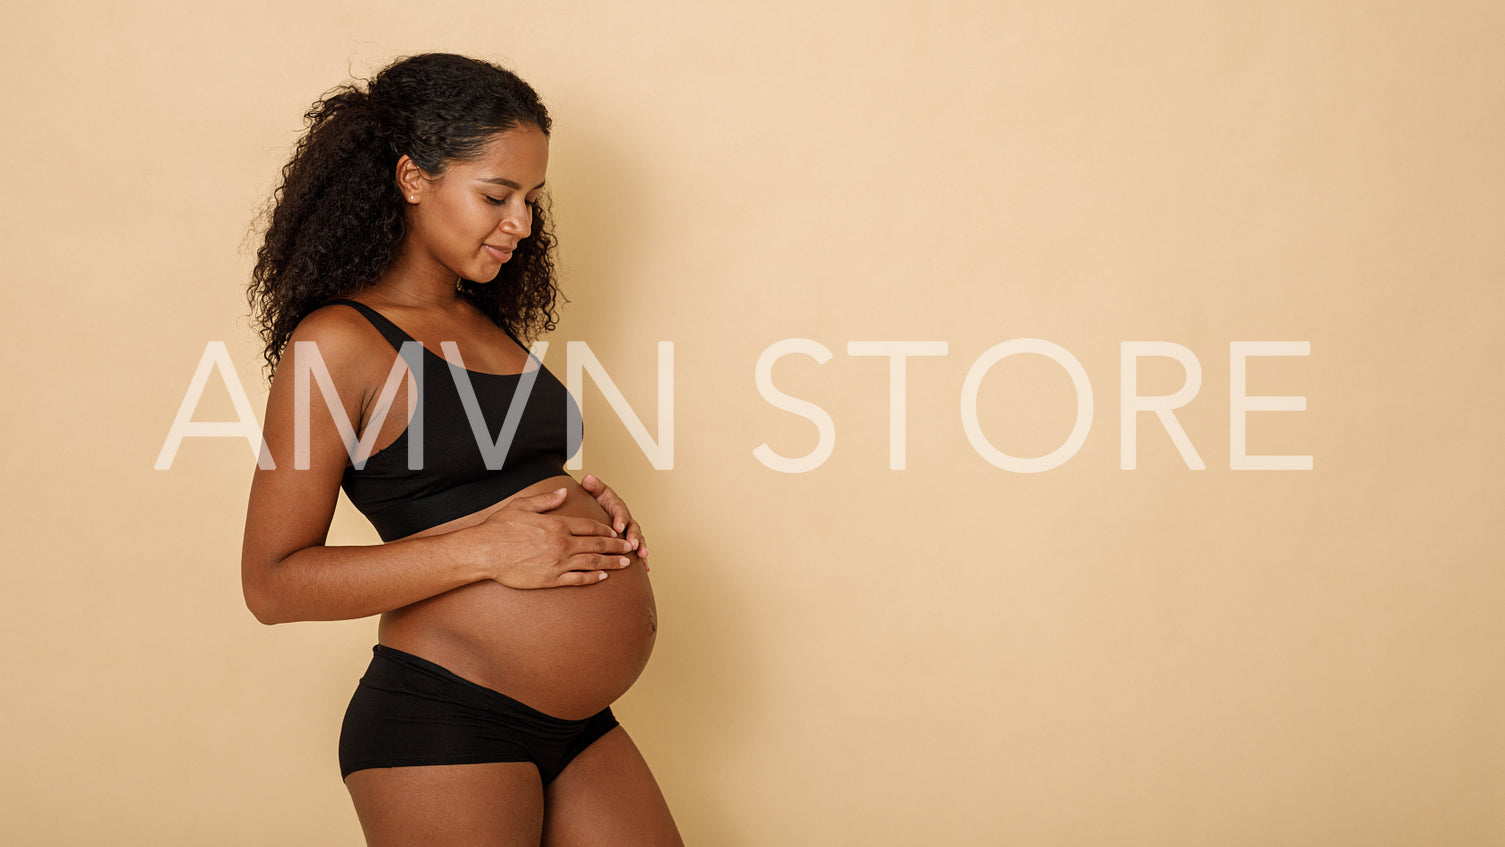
x: 445, y: 225
x: 475, y: 220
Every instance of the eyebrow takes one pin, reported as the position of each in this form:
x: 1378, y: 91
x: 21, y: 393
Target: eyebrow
x: 501, y: 180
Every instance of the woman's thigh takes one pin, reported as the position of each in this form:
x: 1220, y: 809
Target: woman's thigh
x: 607, y: 795
x: 492, y: 804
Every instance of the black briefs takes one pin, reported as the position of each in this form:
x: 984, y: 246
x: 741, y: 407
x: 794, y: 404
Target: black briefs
x: 410, y: 711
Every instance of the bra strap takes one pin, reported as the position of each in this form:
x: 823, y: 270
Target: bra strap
x: 396, y: 336
x: 388, y: 329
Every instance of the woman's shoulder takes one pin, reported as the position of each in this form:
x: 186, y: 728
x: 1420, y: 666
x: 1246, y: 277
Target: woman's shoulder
x: 335, y: 323
x: 340, y: 336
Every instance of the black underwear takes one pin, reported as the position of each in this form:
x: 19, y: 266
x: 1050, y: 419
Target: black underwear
x: 410, y: 711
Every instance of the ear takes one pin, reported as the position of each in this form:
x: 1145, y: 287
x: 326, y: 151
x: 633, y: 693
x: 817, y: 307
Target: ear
x: 411, y: 180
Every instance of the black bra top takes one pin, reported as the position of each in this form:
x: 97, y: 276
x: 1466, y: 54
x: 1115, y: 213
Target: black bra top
x: 455, y: 457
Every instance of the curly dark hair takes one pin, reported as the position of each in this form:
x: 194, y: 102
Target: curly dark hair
x: 335, y: 222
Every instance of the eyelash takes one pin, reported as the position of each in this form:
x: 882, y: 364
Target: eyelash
x: 495, y: 202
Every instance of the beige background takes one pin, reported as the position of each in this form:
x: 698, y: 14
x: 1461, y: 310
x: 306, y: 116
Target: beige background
x: 948, y: 654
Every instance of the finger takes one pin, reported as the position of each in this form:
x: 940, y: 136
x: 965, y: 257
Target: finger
x: 593, y: 564
x: 580, y: 578
x: 587, y: 526
x: 634, y: 534
x: 593, y: 546
x: 620, y: 517
x: 610, y: 546
x: 598, y: 562
x: 591, y: 482
x: 614, y: 506
x: 540, y: 502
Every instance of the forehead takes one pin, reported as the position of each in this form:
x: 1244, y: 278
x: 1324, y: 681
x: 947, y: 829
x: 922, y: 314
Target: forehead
x: 520, y: 154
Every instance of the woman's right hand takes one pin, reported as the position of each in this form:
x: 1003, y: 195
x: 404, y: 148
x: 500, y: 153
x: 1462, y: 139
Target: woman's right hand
x: 523, y: 548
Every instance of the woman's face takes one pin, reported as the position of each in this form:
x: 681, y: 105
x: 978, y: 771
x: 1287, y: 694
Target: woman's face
x: 472, y: 217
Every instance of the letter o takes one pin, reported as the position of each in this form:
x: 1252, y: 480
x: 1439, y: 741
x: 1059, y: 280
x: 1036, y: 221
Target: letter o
x: 997, y: 353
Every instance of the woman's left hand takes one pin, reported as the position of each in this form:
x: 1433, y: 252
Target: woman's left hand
x: 621, y: 519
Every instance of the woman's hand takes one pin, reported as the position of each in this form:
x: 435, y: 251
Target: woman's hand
x: 524, y: 548
x: 622, y: 520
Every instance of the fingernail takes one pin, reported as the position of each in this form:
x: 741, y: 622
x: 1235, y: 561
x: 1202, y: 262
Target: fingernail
x: 603, y: 576
x: 624, y: 560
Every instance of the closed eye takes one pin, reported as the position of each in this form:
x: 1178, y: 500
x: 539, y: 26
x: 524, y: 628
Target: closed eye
x: 493, y: 201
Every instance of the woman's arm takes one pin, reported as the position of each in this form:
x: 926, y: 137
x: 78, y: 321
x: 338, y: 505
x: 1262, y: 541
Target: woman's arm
x: 288, y: 574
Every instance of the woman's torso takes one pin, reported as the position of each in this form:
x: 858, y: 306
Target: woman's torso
x: 567, y: 651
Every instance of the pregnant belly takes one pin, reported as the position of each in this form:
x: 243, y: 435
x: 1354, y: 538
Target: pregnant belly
x: 568, y: 652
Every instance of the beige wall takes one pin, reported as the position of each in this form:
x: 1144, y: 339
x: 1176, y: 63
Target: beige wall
x: 952, y: 653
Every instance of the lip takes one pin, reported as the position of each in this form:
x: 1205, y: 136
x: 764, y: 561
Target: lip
x: 501, y: 254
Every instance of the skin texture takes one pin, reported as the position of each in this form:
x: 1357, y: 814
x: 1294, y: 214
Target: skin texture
x: 543, y: 596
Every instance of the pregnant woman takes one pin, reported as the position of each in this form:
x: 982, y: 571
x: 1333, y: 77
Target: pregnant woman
x: 407, y: 252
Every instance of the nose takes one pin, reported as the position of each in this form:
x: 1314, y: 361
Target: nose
x: 517, y: 224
